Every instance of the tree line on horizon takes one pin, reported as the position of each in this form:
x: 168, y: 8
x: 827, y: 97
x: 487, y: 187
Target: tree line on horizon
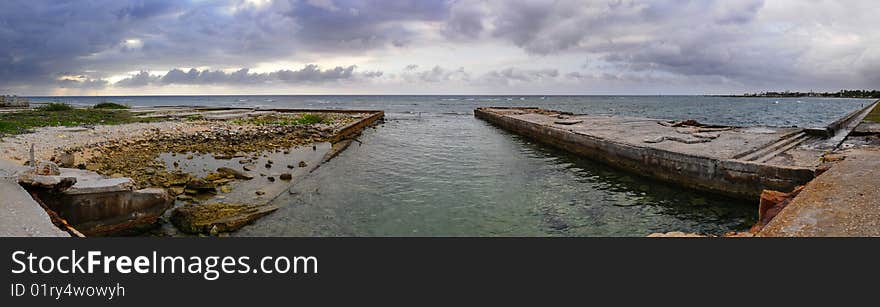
x: 839, y: 94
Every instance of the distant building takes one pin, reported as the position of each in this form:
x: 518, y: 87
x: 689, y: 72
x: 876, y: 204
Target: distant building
x: 13, y: 102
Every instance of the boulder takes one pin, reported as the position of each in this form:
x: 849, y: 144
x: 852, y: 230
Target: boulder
x: 200, y: 185
x: 772, y: 202
x: 217, y: 217
x: 46, y: 168
x: 67, y: 159
x: 234, y: 173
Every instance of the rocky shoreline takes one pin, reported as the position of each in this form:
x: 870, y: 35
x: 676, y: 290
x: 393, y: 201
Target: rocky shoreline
x: 160, y: 156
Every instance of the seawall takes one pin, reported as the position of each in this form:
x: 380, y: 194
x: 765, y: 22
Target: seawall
x: 708, y: 165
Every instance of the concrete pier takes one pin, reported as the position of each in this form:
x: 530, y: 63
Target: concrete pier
x: 844, y: 201
x: 726, y: 160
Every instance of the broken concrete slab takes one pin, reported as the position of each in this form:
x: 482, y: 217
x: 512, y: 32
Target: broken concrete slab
x: 88, y: 182
x: 51, y: 183
x: 98, y: 205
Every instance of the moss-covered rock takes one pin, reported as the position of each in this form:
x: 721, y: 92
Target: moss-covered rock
x: 217, y: 217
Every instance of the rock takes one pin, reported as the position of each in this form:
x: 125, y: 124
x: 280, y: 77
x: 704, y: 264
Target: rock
x: 268, y: 165
x: 248, y: 168
x: 833, y: 158
x: 303, y: 164
x: 217, y: 218
x: 66, y: 159
x: 189, y: 157
x: 260, y: 192
x: 772, y: 202
x: 271, y: 179
x: 117, y: 175
x: 175, y: 190
x: 286, y: 177
x: 46, y: 168
x: 214, y: 177
x: 200, y: 185
x: 291, y: 166
x: 568, y: 122
x: 225, y: 189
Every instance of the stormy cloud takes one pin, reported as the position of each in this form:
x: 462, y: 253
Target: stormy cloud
x: 309, y: 74
x: 104, y: 46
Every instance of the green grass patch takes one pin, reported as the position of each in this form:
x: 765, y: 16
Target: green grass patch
x: 55, y: 107
x: 111, y: 106
x: 194, y: 117
x: 55, y: 116
x: 303, y: 119
x: 874, y: 116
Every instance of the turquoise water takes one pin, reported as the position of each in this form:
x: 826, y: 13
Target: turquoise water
x: 432, y: 169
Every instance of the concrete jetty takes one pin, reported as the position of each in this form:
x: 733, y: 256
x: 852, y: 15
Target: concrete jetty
x: 844, y: 201
x: 736, y: 161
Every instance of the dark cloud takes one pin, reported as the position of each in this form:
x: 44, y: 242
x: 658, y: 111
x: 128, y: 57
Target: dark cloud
x: 515, y: 75
x: 38, y: 39
x: 363, y: 24
x: 309, y: 74
x: 435, y: 75
x: 466, y: 19
x: 86, y: 83
x: 745, y: 41
x: 142, y: 78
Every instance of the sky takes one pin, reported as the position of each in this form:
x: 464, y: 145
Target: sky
x: 174, y: 47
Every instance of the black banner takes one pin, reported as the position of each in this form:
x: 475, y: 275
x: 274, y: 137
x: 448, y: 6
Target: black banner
x: 419, y: 270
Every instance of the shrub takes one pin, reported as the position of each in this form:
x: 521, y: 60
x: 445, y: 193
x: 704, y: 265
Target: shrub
x: 308, y: 119
x: 110, y: 106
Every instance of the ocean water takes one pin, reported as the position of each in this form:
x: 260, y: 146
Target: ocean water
x: 432, y: 169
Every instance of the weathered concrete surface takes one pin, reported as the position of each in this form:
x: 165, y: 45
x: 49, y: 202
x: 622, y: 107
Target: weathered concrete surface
x: 844, y: 201
x: 706, y: 158
x: 840, y: 129
x: 98, y: 205
x: 20, y: 215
